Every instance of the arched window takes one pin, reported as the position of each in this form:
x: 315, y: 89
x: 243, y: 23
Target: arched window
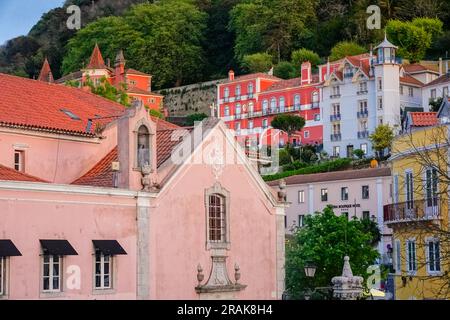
x: 297, y: 101
x: 273, y: 104
x: 226, y: 92
x: 265, y: 106
x: 216, y: 218
x: 281, y: 104
x: 238, y: 108
x: 315, y: 96
x: 250, y: 88
x: 143, y: 146
x: 251, y: 107
x: 227, y: 111
x: 237, y: 91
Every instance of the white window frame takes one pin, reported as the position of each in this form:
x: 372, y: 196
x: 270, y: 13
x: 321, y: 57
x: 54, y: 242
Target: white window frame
x: 409, y: 188
x: 380, y: 103
x: 301, y: 220
x: 324, y: 193
x: 368, y: 192
x: 433, y: 93
x: 411, y: 271
x: 364, y: 148
x: 346, y: 190
x: 51, y: 265
x: 395, y: 195
x: 336, y: 151
x: 301, y: 196
x: 102, y: 274
x: 218, y: 190
x: 20, y: 164
x: 410, y: 91
x: 427, y: 252
x: 250, y: 124
x: 226, y: 111
x: 317, y: 117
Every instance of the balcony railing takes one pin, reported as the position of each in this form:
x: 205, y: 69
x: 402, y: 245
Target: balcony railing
x: 335, y: 117
x: 255, y: 114
x: 250, y: 95
x: 362, y: 114
x: 237, y: 98
x: 414, y: 210
x: 363, y: 134
x: 226, y: 99
x: 336, y: 137
x: 360, y: 92
x: 334, y: 96
x: 315, y: 105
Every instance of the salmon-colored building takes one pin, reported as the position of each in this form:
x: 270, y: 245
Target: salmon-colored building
x: 99, y: 201
x: 138, y: 84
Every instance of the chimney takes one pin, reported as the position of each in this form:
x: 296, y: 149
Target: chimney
x: 440, y: 67
x: 306, y: 73
x: 231, y: 75
x: 119, y: 67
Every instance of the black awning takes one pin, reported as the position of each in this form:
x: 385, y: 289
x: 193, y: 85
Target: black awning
x: 109, y: 247
x: 58, y: 248
x: 8, y: 249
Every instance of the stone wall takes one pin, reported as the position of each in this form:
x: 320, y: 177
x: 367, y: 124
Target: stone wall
x: 193, y: 98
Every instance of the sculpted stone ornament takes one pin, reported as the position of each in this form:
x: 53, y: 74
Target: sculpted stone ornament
x: 218, y: 279
x: 282, y: 194
x: 347, y: 286
x: 146, y: 179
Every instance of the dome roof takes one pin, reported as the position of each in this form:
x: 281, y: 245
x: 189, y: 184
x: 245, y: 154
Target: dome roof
x: 386, y: 43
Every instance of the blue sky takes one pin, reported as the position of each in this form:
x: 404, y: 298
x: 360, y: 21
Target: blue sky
x: 17, y: 17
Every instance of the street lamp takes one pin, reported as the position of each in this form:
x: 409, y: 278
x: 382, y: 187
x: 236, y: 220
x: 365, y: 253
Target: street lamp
x: 310, y: 270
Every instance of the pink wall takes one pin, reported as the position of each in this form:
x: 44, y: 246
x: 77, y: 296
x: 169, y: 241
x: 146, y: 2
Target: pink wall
x: 56, y: 159
x: 78, y: 219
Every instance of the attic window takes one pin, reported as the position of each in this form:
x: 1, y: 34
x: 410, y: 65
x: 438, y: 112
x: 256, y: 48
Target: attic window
x: 70, y: 114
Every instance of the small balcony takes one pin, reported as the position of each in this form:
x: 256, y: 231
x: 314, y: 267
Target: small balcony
x: 238, y: 116
x: 335, y: 96
x: 336, y: 137
x: 335, y: 117
x: 362, y: 114
x: 255, y: 114
x: 226, y: 99
x: 363, y: 134
x: 315, y: 105
x: 361, y: 92
x: 414, y: 210
x: 250, y: 95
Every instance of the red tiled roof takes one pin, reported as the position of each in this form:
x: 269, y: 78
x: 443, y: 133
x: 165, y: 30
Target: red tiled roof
x: 423, y: 119
x: 334, y: 176
x: 71, y: 76
x: 254, y: 76
x: 417, y: 67
x: 136, y: 90
x: 46, y: 73
x: 283, y: 84
x: 13, y: 175
x: 442, y: 79
x: 411, y: 80
x: 137, y: 72
x: 101, y: 175
x: 96, y: 61
x: 36, y: 105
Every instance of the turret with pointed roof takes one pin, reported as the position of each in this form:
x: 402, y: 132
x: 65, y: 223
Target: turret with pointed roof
x: 96, y: 61
x: 46, y: 74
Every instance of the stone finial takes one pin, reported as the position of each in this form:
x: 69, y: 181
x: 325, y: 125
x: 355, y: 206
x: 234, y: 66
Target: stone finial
x: 282, y: 194
x: 347, y: 286
x: 146, y: 180
x: 237, y: 273
x: 200, y: 275
x: 347, y: 270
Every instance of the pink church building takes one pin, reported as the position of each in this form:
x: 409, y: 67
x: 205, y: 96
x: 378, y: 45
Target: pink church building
x: 99, y: 201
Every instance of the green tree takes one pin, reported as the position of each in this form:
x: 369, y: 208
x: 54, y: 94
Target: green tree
x: 258, y: 62
x: 435, y: 104
x: 301, y: 55
x: 163, y: 38
x: 358, y: 153
x: 274, y: 25
x: 344, y: 49
x: 284, y: 70
x: 289, y: 124
x: 325, y: 240
x: 414, y: 37
x: 196, y: 117
x: 382, y: 139
x: 108, y: 91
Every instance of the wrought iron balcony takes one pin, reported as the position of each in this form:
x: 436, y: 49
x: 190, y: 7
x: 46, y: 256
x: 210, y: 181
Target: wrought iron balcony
x: 255, y: 114
x: 362, y: 114
x: 237, y: 98
x: 360, y: 92
x: 414, y: 210
x: 336, y: 137
x: 363, y: 134
x: 250, y: 95
x: 334, y: 96
x: 335, y: 117
x: 226, y: 99
x: 238, y: 116
x: 315, y: 105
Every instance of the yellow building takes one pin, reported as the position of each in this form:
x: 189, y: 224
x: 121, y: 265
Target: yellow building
x: 419, y: 213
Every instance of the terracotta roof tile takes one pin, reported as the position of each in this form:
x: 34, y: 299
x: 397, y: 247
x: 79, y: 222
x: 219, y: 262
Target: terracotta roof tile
x: 136, y: 90
x: 71, y: 76
x: 13, y: 175
x: 411, y: 80
x: 36, y: 105
x: 137, y: 72
x: 442, y: 79
x: 253, y: 76
x: 96, y: 61
x: 335, y: 176
x: 46, y: 73
x: 423, y: 119
x: 417, y: 67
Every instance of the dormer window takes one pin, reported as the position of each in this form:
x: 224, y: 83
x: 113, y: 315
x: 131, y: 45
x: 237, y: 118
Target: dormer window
x: 143, y: 147
x: 348, y: 71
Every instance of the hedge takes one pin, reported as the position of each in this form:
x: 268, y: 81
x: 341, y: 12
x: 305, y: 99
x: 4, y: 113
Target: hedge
x: 334, y: 165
